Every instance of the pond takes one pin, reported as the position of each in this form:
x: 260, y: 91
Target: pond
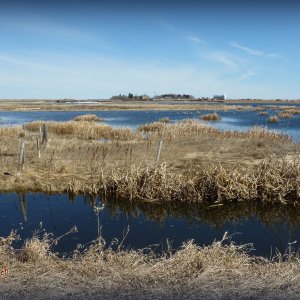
x: 268, y: 228
x: 230, y: 120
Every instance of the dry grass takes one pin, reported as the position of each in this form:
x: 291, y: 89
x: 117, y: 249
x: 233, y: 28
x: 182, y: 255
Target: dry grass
x: 164, y: 120
x: 210, y: 117
x: 272, y: 181
x: 284, y: 115
x: 273, y: 119
x: 15, y: 132
x: 263, y: 113
x: 219, y: 271
x: 83, y: 130
x: 190, y: 127
x: 198, y: 163
x: 87, y: 118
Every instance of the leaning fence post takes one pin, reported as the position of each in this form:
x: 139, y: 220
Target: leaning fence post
x: 159, y: 150
x: 38, y: 146
x: 45, y: 134
x: 22, y: 156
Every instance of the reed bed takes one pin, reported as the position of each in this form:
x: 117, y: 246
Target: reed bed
x: 87, y: 118
x: 211, y: 117
x: 190, y: 127
x: 273, y: 181
x: 221, y: 270
x: 182, y: 127
x: 84, y: 130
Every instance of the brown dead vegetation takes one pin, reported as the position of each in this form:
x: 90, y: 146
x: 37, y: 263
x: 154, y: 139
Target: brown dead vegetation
x: 221, y: 270
x: 198, y: 163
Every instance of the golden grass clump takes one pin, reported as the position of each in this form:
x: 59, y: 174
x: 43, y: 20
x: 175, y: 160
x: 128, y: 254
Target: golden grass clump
x: 164, y: 120
x: 186, y: 127
x: 211, y: 117
x: 263, y: 113
x: 83, y: 130
x: 263, y: 133
x: 11, y: 132
x: 152, y: 127
x: 87, y: 118
x: 273, y: 119
x: 284, y: 115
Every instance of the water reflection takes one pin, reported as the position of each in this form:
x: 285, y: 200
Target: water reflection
x: 267, y: 227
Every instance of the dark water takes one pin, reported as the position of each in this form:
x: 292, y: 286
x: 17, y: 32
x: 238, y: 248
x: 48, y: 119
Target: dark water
x: 231, y: 120
x: 268, y: 228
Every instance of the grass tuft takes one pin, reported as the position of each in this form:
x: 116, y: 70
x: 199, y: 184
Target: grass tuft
x: 87, y: 118
x: 211, y: 117
x: 273, y: 119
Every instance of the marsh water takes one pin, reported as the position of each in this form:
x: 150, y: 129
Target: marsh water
x: 270, y: 229
x: 230, y: 120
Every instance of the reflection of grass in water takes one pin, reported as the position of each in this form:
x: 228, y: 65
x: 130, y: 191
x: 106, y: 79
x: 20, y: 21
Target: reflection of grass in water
x: 215, y: 215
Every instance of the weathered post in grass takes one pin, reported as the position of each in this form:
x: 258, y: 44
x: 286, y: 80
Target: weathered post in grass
x: 38, y: 146
x: 22, y: 156
x: 159, y: 150
x: 45, y: 134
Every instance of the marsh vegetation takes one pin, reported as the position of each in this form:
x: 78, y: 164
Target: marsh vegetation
x: 198, y: 164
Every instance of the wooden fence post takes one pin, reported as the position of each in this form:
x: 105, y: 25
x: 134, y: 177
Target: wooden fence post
x: 38, y: 146
x: 22, y: 156
x: 159, y: 150
x: 45, y: 134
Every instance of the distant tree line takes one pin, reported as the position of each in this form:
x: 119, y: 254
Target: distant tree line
x: 174, y: 96
x: 130, y: 96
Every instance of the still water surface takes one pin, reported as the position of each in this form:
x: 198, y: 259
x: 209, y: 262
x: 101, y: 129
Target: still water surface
x: 231, y: 120
x: 149, y: 224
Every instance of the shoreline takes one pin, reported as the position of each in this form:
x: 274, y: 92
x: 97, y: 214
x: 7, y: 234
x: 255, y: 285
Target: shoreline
x: 108, y: 105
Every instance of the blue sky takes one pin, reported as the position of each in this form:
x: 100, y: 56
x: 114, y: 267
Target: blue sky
x: 92, y: 49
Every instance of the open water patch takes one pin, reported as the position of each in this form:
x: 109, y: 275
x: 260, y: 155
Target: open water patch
x: 268, y: 228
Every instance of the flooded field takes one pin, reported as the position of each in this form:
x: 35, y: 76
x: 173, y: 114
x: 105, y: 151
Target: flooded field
x: 230, y: 120
x: 269, y: 229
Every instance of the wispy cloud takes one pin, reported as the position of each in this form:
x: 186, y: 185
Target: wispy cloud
x: 253, y: 52
x: 247, y: 74
x: 28, y: 63
x: 195, y: 39
x: 224, y: 59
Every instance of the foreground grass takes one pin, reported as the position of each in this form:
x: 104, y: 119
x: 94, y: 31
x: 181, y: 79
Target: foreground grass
x: 220, y: 271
